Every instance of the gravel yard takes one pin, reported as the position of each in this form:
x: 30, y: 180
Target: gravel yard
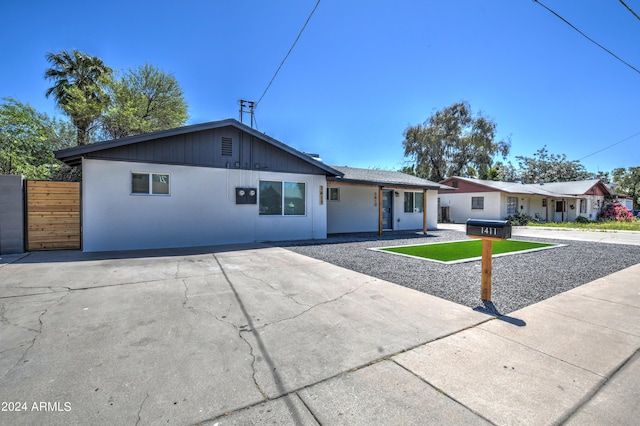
x: 519, y: 280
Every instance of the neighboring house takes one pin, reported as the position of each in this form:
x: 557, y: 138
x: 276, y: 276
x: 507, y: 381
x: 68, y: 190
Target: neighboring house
x: 213, y: 183
x: 550, y: 202
x: 625, y: 201
x: 365, y: 200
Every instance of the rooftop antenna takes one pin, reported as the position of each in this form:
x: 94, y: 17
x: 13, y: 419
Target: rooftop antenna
x: 244, y: 104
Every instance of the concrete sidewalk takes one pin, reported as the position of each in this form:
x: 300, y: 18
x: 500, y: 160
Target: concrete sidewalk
x: 572, y: 359
x: 260, y: 335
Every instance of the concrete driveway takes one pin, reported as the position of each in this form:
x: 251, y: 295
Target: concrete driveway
x: 185, y: 336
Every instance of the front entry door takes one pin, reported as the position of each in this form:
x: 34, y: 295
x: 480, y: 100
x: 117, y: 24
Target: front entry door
x: 560, y: 210
x: 387, y: 209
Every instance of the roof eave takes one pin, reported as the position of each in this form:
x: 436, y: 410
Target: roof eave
x: 384, y: 184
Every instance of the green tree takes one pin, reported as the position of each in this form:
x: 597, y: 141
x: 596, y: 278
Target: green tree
x: 78, y: 88
x: 143, y: 100
x: 502, y: 172
x: 28, y: 139
x: 453, y: 142
x: 627, y: 182
x: 550, y: 168
x: 603, y: 176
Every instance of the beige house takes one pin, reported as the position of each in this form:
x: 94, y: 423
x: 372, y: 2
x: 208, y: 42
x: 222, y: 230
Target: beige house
x: 549, y: 202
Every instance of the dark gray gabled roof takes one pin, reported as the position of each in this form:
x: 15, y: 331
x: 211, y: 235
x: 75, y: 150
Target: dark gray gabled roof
x: 383, y: 178
x: 73, y: 156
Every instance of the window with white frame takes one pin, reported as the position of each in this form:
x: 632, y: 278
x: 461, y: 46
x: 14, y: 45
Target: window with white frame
x: 477, y: 203
x: 583, y: 206
x: 413, y: 202
x: 512, y: 205
x: 333, y: 194
x: 277, y: 198
x: 143, y: 183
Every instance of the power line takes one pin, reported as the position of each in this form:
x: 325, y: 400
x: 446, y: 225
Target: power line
x: 629, y: 9
x: 288, y: 53
x: 609, y: 146
x: 589, y: 38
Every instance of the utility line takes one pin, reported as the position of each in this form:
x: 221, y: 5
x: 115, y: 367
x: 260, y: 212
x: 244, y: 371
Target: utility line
x: 629, y: 9
x: 589, y: 38
x: 609, y: 146
x: 288, y: 53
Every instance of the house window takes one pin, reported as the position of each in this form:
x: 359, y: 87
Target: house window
x: 419, y: 202
x: 333, y: 194
x: 583, y: 206
x: 150, y: 183
x: 544, y: 202
x: 512, y: 205
x: 454, y: 183
x: 408, y: 202
x: 477, y: 203
x: 227, y: 147
x: 282, y: 198
x: 413, y: 202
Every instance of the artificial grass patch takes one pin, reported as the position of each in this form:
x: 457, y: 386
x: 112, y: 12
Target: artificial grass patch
x: 468, y: 249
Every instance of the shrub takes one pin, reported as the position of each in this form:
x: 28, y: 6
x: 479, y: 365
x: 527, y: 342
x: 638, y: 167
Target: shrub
x: 614, y: 211
x: 582, y: 219
x: 521, y: 219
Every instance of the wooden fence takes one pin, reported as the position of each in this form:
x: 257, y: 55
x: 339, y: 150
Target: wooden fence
x: 53, y: 215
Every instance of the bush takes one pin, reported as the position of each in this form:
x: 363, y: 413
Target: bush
x: 521, y: 219
x: 582, y: 219
x: 614, y: 211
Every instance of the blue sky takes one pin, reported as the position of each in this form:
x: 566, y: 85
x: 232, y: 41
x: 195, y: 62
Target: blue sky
x: 363, y: 70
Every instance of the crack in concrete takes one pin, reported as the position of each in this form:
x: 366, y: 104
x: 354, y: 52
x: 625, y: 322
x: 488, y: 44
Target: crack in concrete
x: 50, y: 287
x: 3, y: 319
x: 71, y: 289
x: 280, y: 290
x: 186, y: 295
x: 140, y: 409
x: 335, y: 299
x: 16, y: 347
x: 240, y: 330
x: 30, y: 344
x: 253, y: 364
x: 249, y: 328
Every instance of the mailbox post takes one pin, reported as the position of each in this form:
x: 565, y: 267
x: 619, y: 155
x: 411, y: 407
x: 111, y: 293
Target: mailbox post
x: 488, y: 231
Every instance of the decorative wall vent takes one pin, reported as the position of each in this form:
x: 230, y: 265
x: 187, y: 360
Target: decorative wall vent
x: 227, y: 147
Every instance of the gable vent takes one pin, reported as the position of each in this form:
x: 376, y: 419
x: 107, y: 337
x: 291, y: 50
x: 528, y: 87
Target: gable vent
x: 227, y: 147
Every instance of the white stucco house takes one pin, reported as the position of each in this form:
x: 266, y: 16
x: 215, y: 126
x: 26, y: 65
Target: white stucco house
x: 366, y: 200
x: 213, y: 183
x: 550, y: 202
x: 223, y: 182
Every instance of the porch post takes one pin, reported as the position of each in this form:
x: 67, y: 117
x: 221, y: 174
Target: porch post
x: 547, y: 210
x: 424, y: 211
x: 380, y: 210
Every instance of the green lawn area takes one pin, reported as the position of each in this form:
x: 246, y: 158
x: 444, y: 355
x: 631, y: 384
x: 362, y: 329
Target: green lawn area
x: 449, y: 252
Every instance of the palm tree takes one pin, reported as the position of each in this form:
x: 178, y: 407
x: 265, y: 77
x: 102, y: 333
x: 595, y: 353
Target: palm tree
x: 78, y: 88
